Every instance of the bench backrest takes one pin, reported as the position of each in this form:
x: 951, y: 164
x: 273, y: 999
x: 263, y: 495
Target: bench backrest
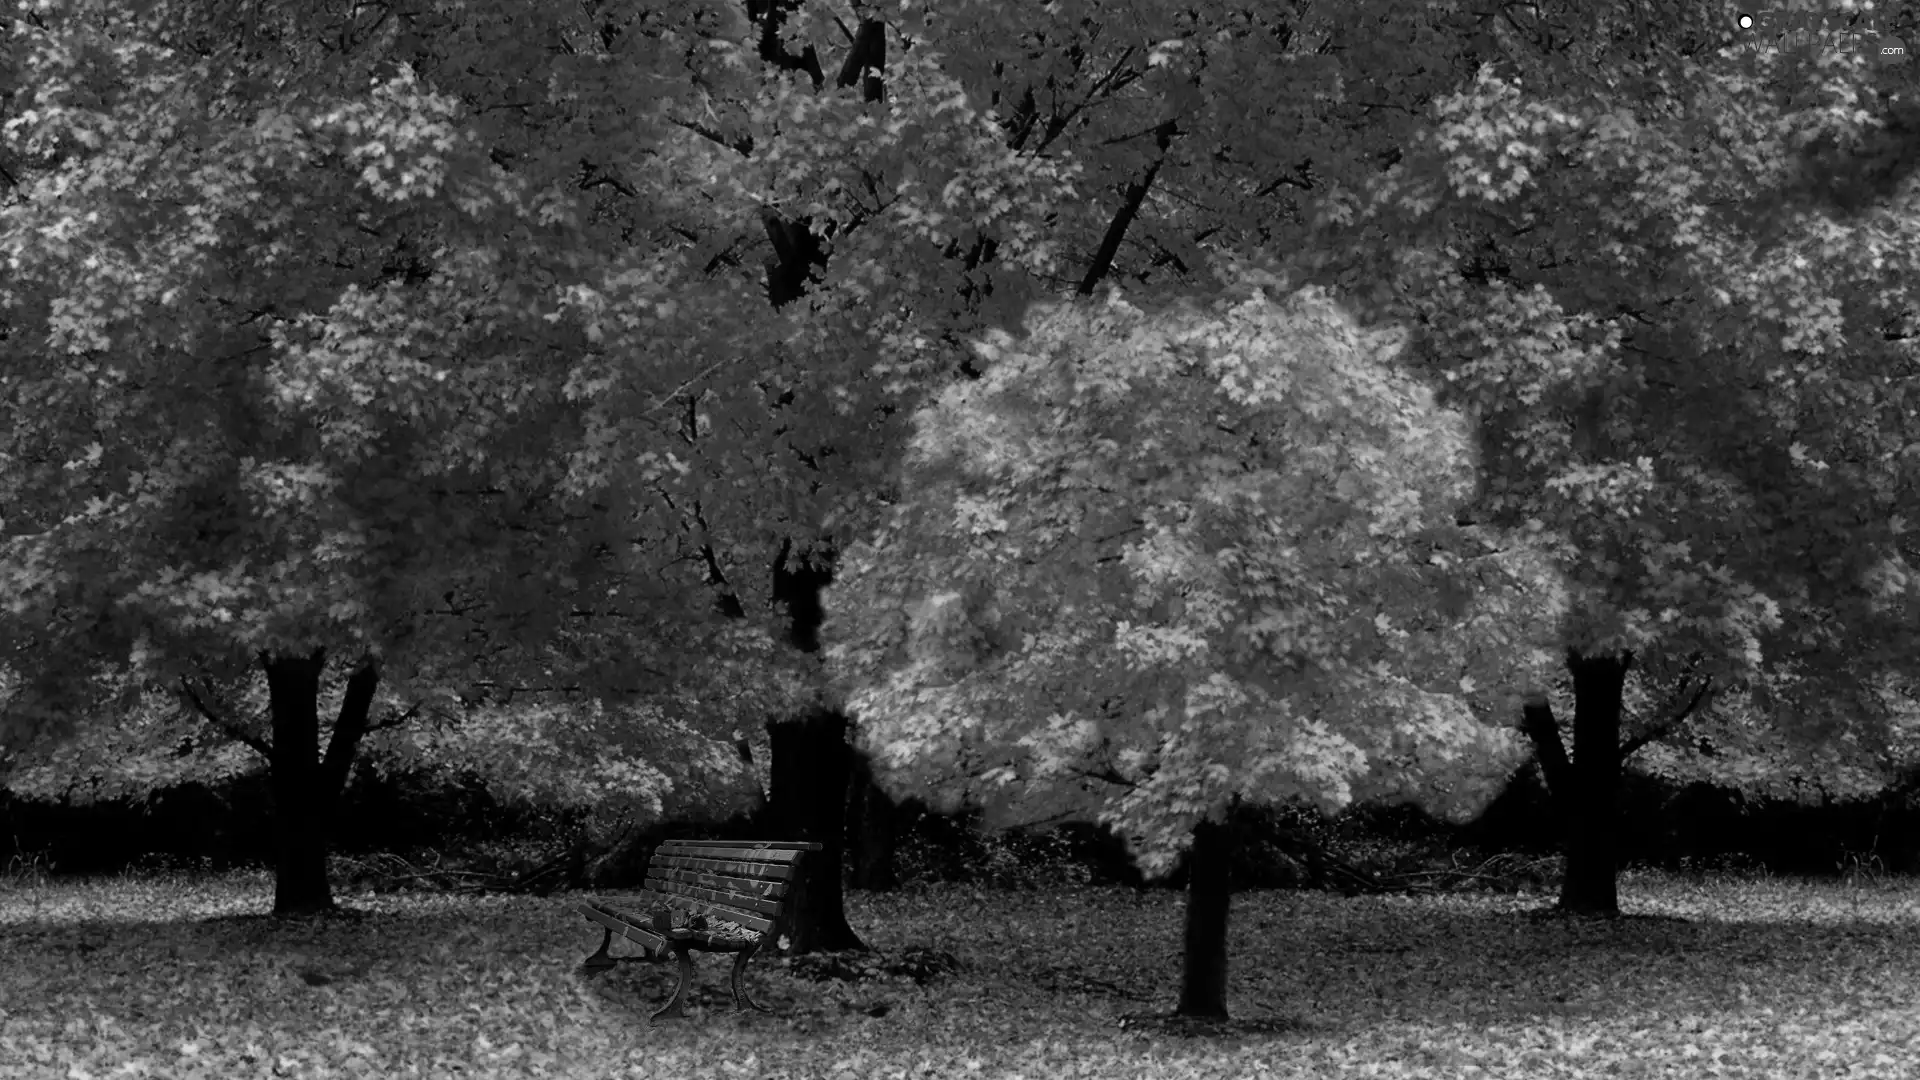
x: 746, y: 882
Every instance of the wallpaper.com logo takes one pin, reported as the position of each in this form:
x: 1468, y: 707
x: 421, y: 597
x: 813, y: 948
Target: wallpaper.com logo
x: 1803, y: 25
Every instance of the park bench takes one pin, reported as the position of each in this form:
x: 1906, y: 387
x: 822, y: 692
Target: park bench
x: 701, y: 896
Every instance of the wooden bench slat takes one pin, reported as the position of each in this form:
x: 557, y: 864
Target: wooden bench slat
x: 733, y: 867
x: 640, y: 905
x: 765, y: 888
x: 660, y: 877
x: 722, y: 911
x: 728, y: 908
x: 744, y: 845
x: 742, y: 853
x: 769, y: 908
x: 664, y: 890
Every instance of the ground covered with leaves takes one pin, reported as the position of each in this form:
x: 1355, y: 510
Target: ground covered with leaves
x: 184, y: 977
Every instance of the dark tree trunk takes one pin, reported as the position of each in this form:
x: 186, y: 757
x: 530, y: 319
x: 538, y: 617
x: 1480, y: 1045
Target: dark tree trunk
x: 1129, y: 206
x: 1585, y: 787
x: 808, y: 802
x: 868, y: 55
x: 300, y: 846
x: 1590, y: 886
x: 797, y: 252
x: 870, y: 831
x: 306, y: 787
x: 1203, y: 977
x: 808, y: 776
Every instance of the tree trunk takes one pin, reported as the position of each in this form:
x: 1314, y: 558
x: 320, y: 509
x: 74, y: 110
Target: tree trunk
x: 870, y: 831
x: 808, y: 776
x: 1591, y: 886
x: 808, y: 802
x: 306, y: 787
x: 1203, y: 978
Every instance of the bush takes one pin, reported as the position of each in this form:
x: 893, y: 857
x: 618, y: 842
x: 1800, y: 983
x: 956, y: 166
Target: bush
x: 934, y: 847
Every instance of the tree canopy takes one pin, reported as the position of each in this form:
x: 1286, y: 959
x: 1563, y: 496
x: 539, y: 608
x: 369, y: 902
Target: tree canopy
x: 1696, y: 385
x: 425, y: 344
x: 1183, y: 556
x: 354, y: 332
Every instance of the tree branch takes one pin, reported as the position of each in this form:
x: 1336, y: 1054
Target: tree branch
x: 869, y: 53
x: 1298, y: 178
x: 1116, y: 77
x: 228, y: 728
x: 1107, y: 773
x: 661, y: 401
x: 1661, y: 730
x: 394, y: 720
x: 1543, y: 731
x: 1019, y: 124
x: 605, y: 180
x: 742, y: 146
x: 1136, y: 195
x: 348, y: 729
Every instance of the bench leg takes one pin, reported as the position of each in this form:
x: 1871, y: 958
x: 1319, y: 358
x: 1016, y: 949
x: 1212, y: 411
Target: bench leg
x: 677, y: 1006
x: 740, y: 998
x: 600, y: 960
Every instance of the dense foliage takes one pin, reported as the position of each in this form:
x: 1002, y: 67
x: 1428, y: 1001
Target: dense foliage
x: 1713, y: 394
x: 1670, y: 282
x: 1180, y: 557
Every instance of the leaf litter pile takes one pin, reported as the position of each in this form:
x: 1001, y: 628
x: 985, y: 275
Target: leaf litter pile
x: 186, y: 978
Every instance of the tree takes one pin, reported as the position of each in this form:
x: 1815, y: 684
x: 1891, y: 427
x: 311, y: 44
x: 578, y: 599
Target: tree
x: 1180, y: 558
x: 1197, y: 130
x: 553, y: 748
x: 326, y: 344
x: 1765, y: 737
x: 1691, y: 383
x: 1194, y: 130
x: 919, y: 196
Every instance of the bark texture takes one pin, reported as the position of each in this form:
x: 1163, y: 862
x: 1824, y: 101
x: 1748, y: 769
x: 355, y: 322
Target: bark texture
x: 808, y: 800
x: 306, y: 786
x: 1585, y: 787
x: 808, y: 777
x: 1203, y: 976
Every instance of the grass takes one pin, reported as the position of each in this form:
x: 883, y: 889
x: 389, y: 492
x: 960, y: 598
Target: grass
x: 183, y: 977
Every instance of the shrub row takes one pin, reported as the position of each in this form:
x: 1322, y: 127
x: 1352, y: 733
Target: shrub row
x: 434, y: 829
